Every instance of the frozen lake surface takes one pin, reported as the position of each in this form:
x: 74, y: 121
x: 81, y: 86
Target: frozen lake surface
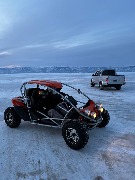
x: 34, y: 152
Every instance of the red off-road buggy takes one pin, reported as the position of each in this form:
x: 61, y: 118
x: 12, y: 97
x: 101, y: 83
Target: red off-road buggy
x: 44, y: 103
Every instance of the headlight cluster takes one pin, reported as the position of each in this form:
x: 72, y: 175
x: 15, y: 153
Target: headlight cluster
x: 91, y: 114
x: 100, y: 108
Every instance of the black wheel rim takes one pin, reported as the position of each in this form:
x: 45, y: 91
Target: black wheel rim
x: 9, y: 118
x: 72, y: 136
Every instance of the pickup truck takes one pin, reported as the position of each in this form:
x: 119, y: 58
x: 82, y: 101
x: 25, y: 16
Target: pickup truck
x: 107, y: 78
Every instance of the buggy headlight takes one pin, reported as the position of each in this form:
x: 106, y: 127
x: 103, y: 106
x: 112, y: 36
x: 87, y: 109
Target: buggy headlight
x: 91, y: 114
x: 87, y: 112
x: 100, y: 108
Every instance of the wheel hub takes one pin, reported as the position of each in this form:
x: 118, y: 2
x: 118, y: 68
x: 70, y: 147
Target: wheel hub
x: 9, y: 117
x: 72, y: 135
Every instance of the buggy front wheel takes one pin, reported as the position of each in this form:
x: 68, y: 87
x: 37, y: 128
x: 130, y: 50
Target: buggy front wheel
x: 11, y: 118
x: 105, y: 119
x: 75, y: 135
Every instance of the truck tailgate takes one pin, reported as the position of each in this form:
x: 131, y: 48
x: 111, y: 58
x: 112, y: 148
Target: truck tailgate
x: 118, y: 79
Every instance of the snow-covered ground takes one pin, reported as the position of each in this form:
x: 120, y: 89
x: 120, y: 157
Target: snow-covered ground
x: 34, y: 152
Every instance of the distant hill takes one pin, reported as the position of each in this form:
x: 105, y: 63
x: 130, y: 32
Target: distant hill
x: 14, y: 70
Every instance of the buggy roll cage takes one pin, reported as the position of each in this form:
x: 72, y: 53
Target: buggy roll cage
x: 78, y: 90
x: 93, y: 121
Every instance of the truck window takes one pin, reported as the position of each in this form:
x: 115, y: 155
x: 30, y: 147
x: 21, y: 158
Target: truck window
x: 108, y: 73
x: 97, y: 73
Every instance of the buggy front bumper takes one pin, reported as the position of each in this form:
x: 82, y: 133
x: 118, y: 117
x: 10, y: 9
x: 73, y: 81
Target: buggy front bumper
x: 94, y: 123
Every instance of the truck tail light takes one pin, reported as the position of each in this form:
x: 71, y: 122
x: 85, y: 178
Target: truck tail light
x: 106, y: 80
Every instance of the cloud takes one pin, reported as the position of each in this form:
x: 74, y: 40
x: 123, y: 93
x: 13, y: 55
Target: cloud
x: 61, y: 29
x: 5, y: 24
x: 31, y: 46
x: 5, y: 53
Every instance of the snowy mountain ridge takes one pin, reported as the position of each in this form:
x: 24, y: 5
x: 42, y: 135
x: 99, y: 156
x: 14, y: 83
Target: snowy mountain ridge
x: 19, y: 69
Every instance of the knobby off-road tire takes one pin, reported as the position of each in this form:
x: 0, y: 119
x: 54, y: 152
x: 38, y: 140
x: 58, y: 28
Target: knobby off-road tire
x: 11, y: 118
x: 75, y: 135
x: 106, y: 119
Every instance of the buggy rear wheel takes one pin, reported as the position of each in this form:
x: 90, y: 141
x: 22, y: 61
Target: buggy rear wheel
x: 11, y: 118
x: 75, y: 135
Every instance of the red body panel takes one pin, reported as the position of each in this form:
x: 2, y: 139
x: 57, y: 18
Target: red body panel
x: 53, y: 84
x: 17, y: 101
x: 91, y: 107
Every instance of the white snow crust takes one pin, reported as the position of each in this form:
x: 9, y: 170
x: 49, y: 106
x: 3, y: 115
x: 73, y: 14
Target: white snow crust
x: 34, y: 152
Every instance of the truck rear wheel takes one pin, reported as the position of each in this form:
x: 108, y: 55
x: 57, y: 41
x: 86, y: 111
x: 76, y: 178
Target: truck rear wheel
x: 118, y: 87
x: 75, y: 135
x: 11, y: 118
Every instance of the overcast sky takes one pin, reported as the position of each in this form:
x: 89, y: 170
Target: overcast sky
x: 67, y: 32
